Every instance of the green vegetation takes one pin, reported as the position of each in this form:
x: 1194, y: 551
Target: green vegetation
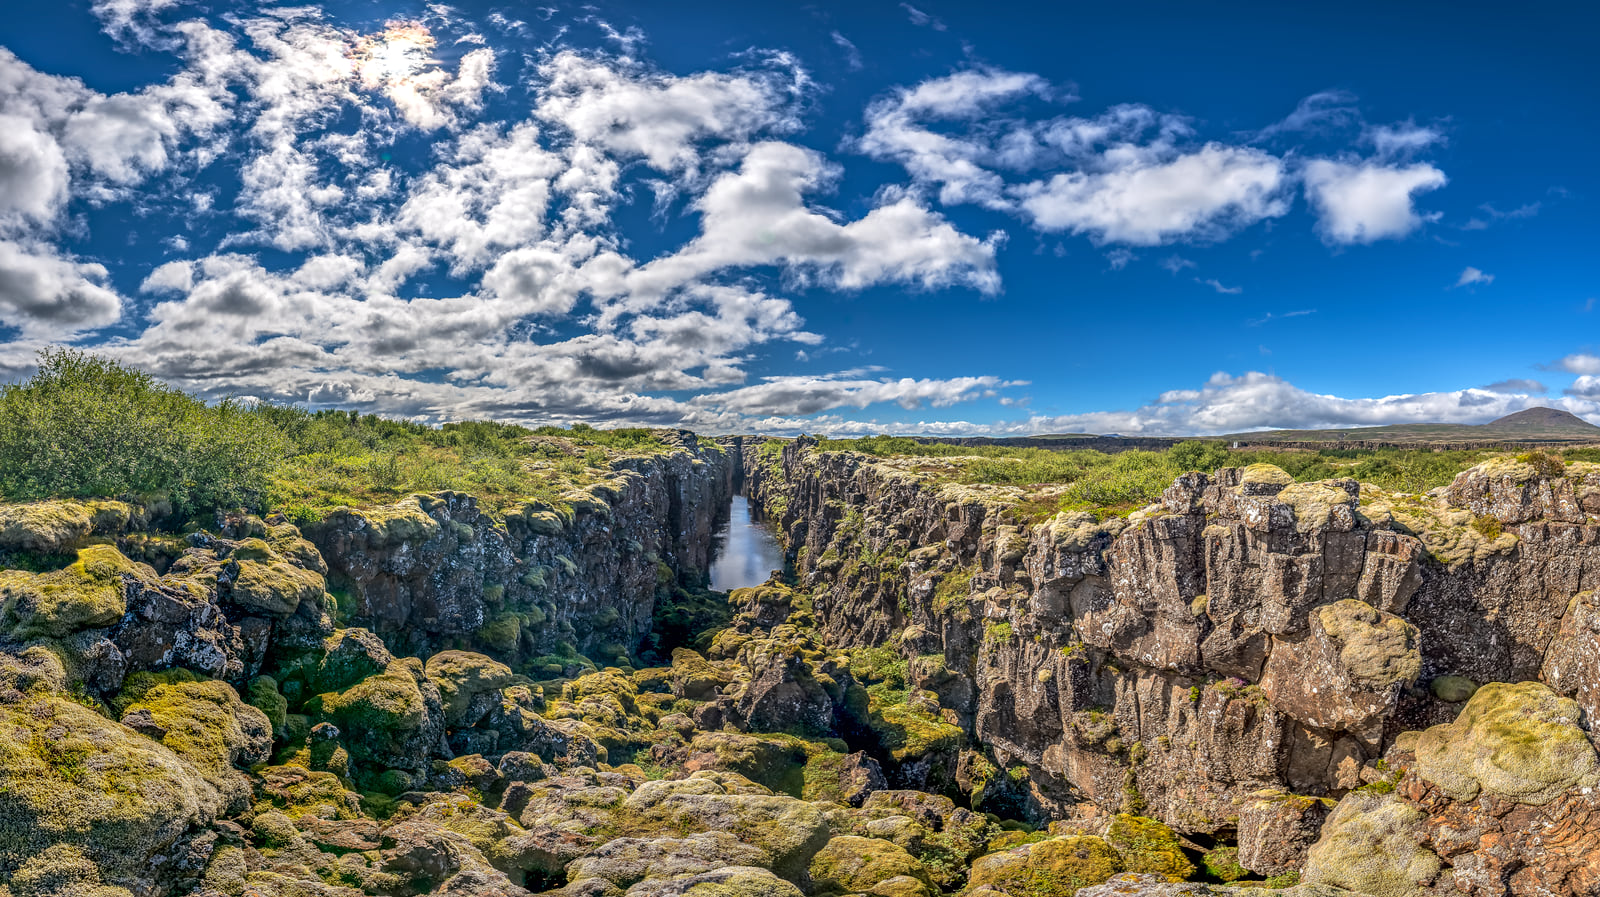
x: 85, y: 426
x: 1116, y: 483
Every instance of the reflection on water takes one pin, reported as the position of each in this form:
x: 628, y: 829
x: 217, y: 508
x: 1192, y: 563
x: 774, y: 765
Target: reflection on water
x: 745, y: 552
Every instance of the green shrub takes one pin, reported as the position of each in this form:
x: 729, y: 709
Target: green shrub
x: 85, y: 426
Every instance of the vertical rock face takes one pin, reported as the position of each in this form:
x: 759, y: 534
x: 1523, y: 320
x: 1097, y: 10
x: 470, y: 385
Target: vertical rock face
x: 435, y: 571
x: 1247, y: 637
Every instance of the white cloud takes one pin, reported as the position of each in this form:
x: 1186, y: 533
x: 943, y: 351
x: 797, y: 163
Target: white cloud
x: 920, y: 18
x: 631, y: 112
x: 1204, y: 194
x: 794, y: 395
x: 852, y: 55
x: 45, y: 295
x: 1579, y: 363
x: 1472, y: 275
x: 1362, y: 202
x: 1217, y: 285
x: 758, y: 216
x: 1402, y: 139
x: 1255, y: 401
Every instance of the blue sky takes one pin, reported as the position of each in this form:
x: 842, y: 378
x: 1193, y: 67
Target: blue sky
x: 1154, y: 218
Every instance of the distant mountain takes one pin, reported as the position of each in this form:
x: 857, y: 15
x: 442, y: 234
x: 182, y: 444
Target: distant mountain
x: 1531, y: 425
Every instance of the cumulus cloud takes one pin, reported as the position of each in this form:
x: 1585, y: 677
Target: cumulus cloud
x: 1470, y: 276
x: 758, y: 216
x: 45, y: 295
x: 1133, y: 175
x: 1204, y: 194
x: 809, y: 395
x: 1367, y: 201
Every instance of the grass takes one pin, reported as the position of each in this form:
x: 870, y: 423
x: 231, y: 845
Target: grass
x: 1120, y: 482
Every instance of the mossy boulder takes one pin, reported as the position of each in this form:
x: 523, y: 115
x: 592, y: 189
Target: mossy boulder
x: 1369, y: 846
x: 393, y: 719
x: 90, y: 592
x: 791, y: 830
x: 1520, y: 743
x: 69, y: 776
x: 1377, y: 650
x: 56, y: 527
x: 627, y: 861
x: 268, y: 582
x: 694, y: 677
x: 296, y: 791
x: 775, y: 761
x: 204, y: 722
x: 349, y: 656
x: 1150, y: 846
x: 1058, y: 866
x: 61, y: 871
x: 466, y: 683
x: 849, y: 864
x: 730, y: 881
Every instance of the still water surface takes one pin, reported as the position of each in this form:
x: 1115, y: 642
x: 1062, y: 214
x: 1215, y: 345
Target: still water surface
x: 745, y: 552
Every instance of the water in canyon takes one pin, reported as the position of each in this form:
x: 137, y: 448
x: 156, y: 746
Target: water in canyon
x: 746, y: 552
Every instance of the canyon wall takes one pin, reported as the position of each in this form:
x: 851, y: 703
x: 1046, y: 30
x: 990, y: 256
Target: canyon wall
x: 1232, y: 660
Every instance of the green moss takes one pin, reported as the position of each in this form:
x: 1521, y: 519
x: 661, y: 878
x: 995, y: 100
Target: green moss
x: 952, y: 588
x: 999, y: 633
x: 1222, y: 864
x: 268, y: 582
x: 262, y: 694
x: 88, y: 593
x: 1054, y: 868
x: 851, y: 865
x: 1147, y: 845
x: 1369, y: 846
x: 206, y: 724
x: 1520, y: 743
x: 69, y: 776
x: 503, y: 633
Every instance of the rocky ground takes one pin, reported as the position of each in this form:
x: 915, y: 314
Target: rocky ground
x: 1253, y: 684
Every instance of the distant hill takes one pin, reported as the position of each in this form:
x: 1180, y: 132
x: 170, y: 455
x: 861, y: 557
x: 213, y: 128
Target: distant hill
x: 1534, y: 425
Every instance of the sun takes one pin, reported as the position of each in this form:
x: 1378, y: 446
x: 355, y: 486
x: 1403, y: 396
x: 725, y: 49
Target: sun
x: 397, y: 54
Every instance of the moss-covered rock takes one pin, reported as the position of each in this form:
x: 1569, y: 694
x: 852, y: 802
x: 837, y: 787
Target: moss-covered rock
x: 61, y: 870
x: 731, y: 881
x: 1377, y: 650
x: 349, y: 656
x: 262, y: 693
x: 1454, y: 689
x: 393, y: 719
x: 1369, y: 846
x: 297, y: 791
x: 694, y: 677
x: 1147, y: 845
x: 849, y: 864
x: 268, y: 582
x: 1518, y: 742
x: 466, y: 681
x: 1059, y: 866
x: 627, y: 861
x: 56, y: 527
x: 789, y: 829
x: 90, y: 592
x: 69, y: 776
x: 205, y: 723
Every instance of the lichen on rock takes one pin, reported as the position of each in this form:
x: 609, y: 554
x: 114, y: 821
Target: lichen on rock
x: 1520, y: 743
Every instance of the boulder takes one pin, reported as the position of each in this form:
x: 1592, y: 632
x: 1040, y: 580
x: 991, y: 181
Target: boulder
x: 1520, y: 743
x: 1369, y: 845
